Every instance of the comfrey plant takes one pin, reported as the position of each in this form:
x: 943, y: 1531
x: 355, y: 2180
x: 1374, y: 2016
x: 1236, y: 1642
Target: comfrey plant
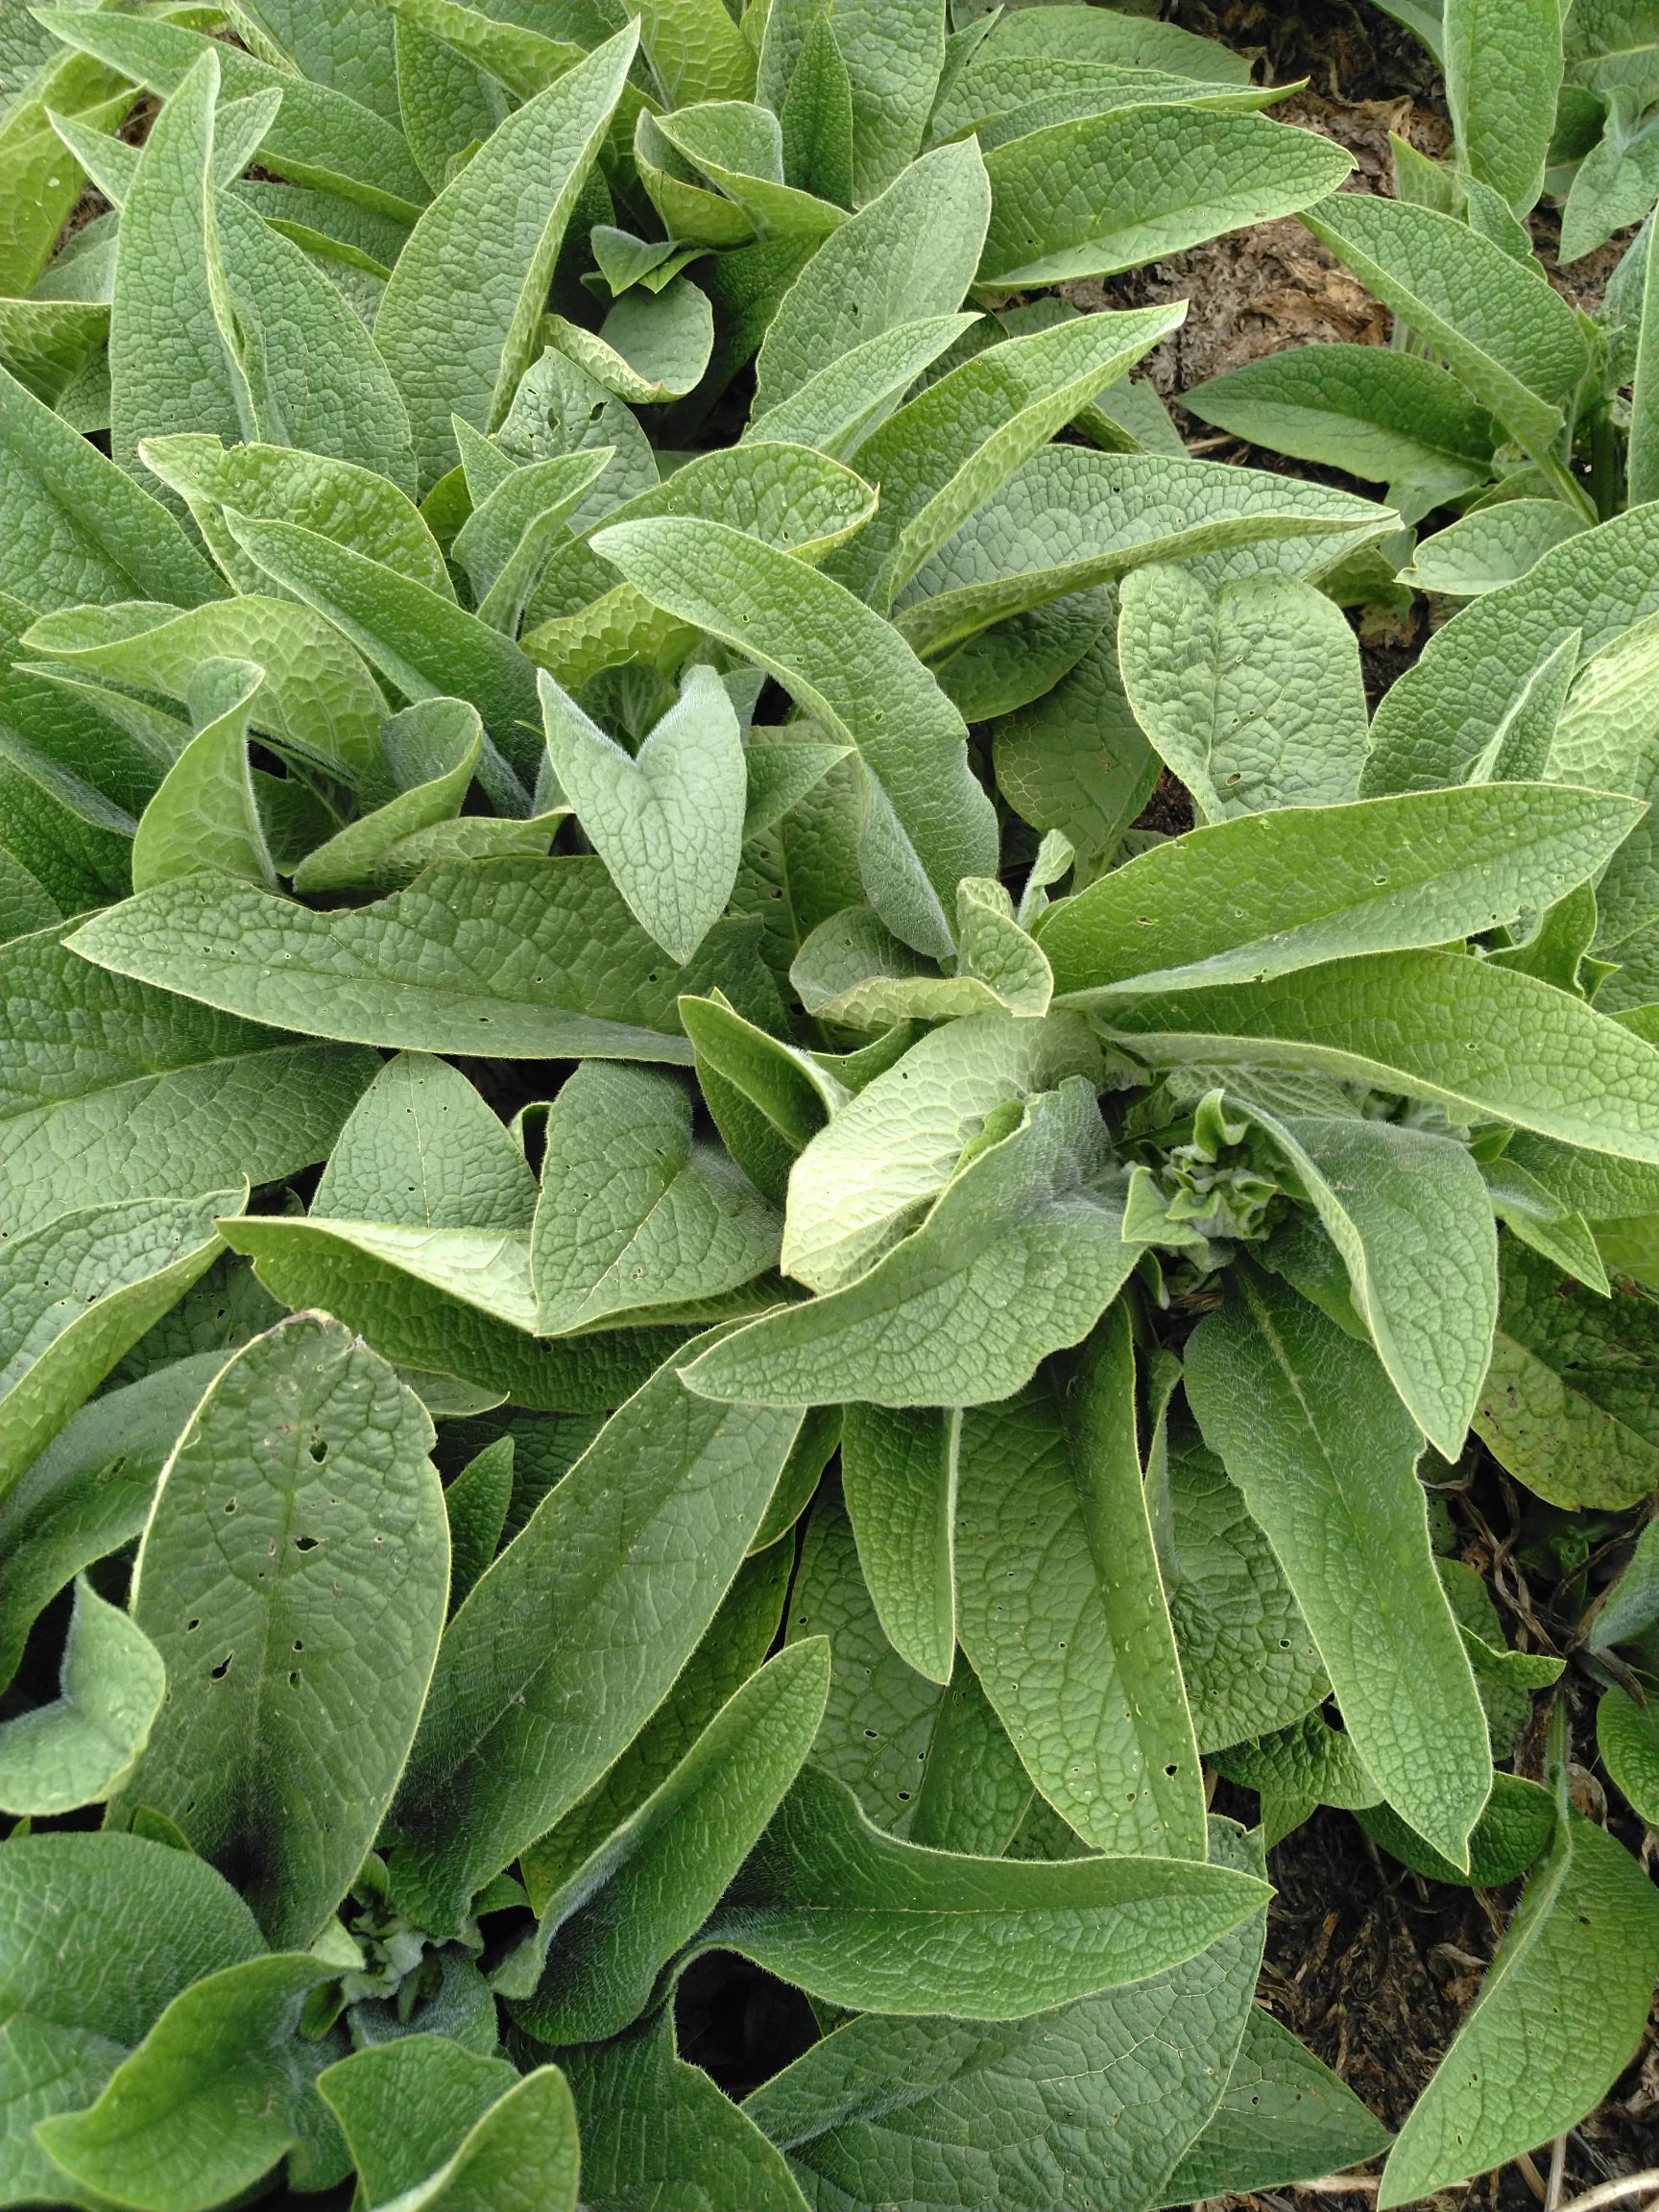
x: 865, y: 1327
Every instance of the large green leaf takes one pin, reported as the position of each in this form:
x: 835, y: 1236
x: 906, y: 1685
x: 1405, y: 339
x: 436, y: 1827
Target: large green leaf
x: 1062, y: 1604
x: 1283, y: 2118
x: 1503, y: 69
x: 899, y: 1473
x: 459, y: 321
x: 405, y: 2106
x: 1589, y: 1922
x: 422, y: 1147
x: 575, y: 1633
x: 1305, y: 1423
x: 291, y: 1712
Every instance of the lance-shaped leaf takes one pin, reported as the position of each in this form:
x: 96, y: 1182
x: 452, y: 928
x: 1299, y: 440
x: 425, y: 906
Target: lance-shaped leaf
x: 740, y: 147
x: 927, y: 823
x: 694, y: 2141
x: 76, y: 1751
x: 635, y: 1213
x: 838, y: 406
x: 403, y: 2107
x: 1588, y: 1921
x: 1307, y: 1423
x: 1285, y: 2117
x: 696, y: 51
x: 949, y: 448
x: 589, y: 1969
x: 1107, y: 39
x: 211, y: 2098
x: 308, y: 1460
x: 667, y: 820
x: 865, y: 1177
x: 1021, y: 1254
x: 1062, y: 1604
x: 506, y: 541
x: 864, y: 1920
x: 1515, y: 342
x: 519, y: 57
x: 320, y: 136
x: 1265, y: 894
x: 909, y: 254
x: 1478, y: 1038
x: 1503, y: 67
x: 539, y: 960
x: 205, y: 814
x: 1089, y: 196
x: 1628, y: 1738
x: 79, y: 1292
x: 457, y: 325
x: 427, y: 645
x: 575, y: 1633
x: 1410, y: 1213
x: 899, y: 1481
x: 1099, y: 2097
x: 433, y: 750
x: 337, y: 498
x: 76, y: 526
x: 1072, y: 519
x: 1491, y: 547
x: 1251, y: 691
x: 318, y: 698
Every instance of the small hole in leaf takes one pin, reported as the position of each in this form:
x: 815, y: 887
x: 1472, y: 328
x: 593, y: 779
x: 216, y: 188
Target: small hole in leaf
x: 305, y: 1543
x: 319, y: 1450
x: 190, y: 1624
x: 219, y: 1672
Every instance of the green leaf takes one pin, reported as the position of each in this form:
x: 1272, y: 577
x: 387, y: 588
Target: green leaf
x: 588, y: 1971
x: 694, y: 2153
x: 739, y: 149
x: 405, y: 2106
x: 1100, y: 193
x: 1632, y: 1604
x: 458, y: 324
x: 1305, y: 1423
x: 205, y: 814
x: 523, y: 60
x: 1503, y: 67
x: 1265, y: 894
x: 695, y: 49
x: 1515, y: 342
x: 76, y: 526
x: 1628, y: 1741
x: 575, y: 1633
x: 113, y: 1091
x: 668, y: 821
x: 864, y: 1920
x: 908, y: 255
x: 836, y: 409
x: 370, y: 973
x: 422, y: 1147
x: 927, y: 822
x: 1076, y: 761
x: 210, y: 2100
x: 1072, y: 519
x: 522, y: 2151
x: 899, y: 1481
x: 1283, y: 2118
x: 433, y: 750
x: 507, y: 541
x: 1481, y: 1039
x: 1568, y: 1403
x: 1020, y: 1256
x: 1390, y: 417
x: 1516, y: 1826
x: 1251, y: 692
x: 79, y: 1292
x: 650, y: 347
x: 632, y: 1211
x: 1061, y: 1605
x: 76, y: 1751
x: 1099, y: 2097
x: 1111, y: 38
x: 290, y: 1693
x: 1491, y: 547
x: 1588, y: 1921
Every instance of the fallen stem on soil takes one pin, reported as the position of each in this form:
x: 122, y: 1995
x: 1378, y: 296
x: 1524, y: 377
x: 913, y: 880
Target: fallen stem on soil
x: 1643, y: 2185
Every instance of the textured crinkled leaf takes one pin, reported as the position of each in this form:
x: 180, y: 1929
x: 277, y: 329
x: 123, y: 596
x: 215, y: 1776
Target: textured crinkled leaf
x: 1097, y: 194
x: 1305, y: 1423
x: 1491, y: 547
x: 836, y: 408
x: 1504, y: 68
x: 1111, y: 38
x: 521, y: 939
x: 575, y: 1633
x: 740, y: 147
x: 422, y: 1147
x: 927, y: 822
x: 1076, y: 761
x: 634, y: 1211
x: 589, y: 1969
x: 1070, y: 518
x: 76, y: 1751
x: 863, y: 1180
x: 459, y: 320
x: 1627, y: 1738
x: 403, y: 2107
x: 1481, y: 1039
x: 292, y: 1710
x: 909, y: 254
x: 79, y: 1292
x: 1283, y: 2118
x: 1264, y: 894
x: 205, y: 814
x: 1632, y: 1604
x: 1516, y: 1826
x: 650, y: 347
x: 1096, y: 2099
x: 382, y: 849
x: 1308, y: 1763
x: 898, y: 1482
x: 1588, y: 1921
x: 1021, y: 1255
x: 1062, y: 1604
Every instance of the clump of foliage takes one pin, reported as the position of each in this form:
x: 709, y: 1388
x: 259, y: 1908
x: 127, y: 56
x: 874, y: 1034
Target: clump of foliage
x: 865, y: 1327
